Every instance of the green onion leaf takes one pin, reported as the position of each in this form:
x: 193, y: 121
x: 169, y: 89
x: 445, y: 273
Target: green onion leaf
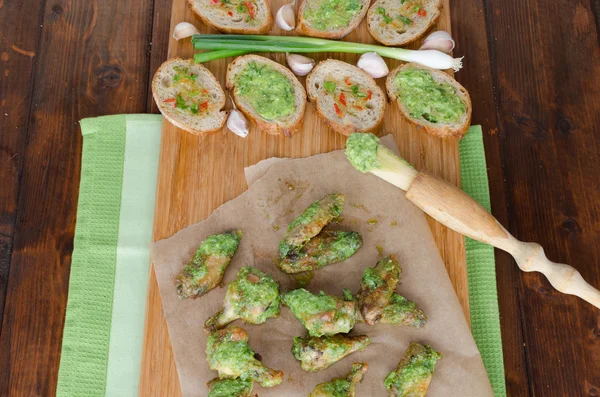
x: 194, y: 108
x: 404, y: 19
x: 330, y: 86
x: 176, y: 77
x: 386, y: 18
x: 356, y: 92
x: 180, y: 103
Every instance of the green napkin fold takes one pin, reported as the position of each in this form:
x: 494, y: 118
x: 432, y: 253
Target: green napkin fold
x: 481, y: 265
x: 110, y: 264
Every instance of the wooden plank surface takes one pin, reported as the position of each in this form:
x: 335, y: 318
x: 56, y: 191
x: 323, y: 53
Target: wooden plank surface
x: 197, y: 174
x: 537, y: 58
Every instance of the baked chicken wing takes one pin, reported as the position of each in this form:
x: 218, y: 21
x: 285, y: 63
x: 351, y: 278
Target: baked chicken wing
x: 401, y: 311
x: 252, y: 297
x: 206, y: 268
x: 376, y: 288
x: 230, y: 387
x: 310, y: 222
x: 322, y: 314
x: 316, y: 354
x: 413, y: 374
x: 342, y: 387
x: 228, y: 353
x: 325, y: 248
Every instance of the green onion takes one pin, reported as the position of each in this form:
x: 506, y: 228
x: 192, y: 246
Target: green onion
x: 382, y: 12
x: 227, y: 45
x: 329, y: 86
x: 404, y: 19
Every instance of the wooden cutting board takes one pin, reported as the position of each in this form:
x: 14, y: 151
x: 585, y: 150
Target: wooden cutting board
x: 197, y: 174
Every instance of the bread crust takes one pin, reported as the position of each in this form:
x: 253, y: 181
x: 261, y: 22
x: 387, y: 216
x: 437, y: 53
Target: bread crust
x: 442, y: 131
x: 303, y: 27
x: 270, y: 127
x: 409, y: 38
x: 344, y: 129
x: 261, y: 29
x: 178, y: 123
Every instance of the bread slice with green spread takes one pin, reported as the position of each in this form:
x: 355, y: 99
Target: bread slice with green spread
x: 330, y: 19
x: 346, y: 97
x: 431, y: 99
x: 234, y: 16
x: 268, y: 94
x: 400, y: 22
x: 189, y: 96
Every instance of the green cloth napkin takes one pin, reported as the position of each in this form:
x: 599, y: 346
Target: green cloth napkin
x: 103, y: 334
x: 481, y: 265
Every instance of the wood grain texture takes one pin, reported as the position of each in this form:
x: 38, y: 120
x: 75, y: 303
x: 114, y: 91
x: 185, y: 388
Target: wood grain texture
x: 196, y: 175
x: 79, y: 69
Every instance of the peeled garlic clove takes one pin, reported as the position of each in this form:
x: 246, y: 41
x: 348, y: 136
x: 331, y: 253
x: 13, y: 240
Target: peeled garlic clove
x: 373, y: 64
x: 440, y: 40
x: 299, y: 64
x: 286, y: 17
x: 183, y: 30
x: 237, y: 123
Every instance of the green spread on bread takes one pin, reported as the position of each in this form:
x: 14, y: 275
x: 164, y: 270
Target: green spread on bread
x: 331, y: 14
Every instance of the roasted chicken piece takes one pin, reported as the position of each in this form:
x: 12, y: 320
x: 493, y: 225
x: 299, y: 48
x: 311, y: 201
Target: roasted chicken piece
x: 322, y: 314
x: 230, y: 387
x: 325, y: 248
x: 401, y: 311
x: 342, y: 387
x: 376, y: 288
x: 310, y: 222
x: 413, y: 374
x: 316, y: 354
x: 227, y: 352
x: 206, y: 268
x: 253, y: 297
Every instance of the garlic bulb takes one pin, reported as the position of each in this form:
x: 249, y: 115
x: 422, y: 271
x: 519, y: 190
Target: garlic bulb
x: 299, y: 64
x: 373, y: 64
x: 440, y: 40
x: 184, y: 30
x: 286, y: 17
x: 237, y: 123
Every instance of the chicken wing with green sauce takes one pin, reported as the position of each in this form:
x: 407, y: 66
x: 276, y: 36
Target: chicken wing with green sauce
x: 252, y: 297
x: 230, y: 387
x: 376, y: 288
x: 342, y: 387
x: 320, y: 353
x: 413, y: 374
x: 401, y: 311
x: 227, y: 352
x: 206, y: 268
x: 324, y: 249
x: 314, y: 218
x: 322, y: 314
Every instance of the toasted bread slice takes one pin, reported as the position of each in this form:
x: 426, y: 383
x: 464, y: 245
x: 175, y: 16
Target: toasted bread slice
x: 396, y: 23
x: 330, y: 19
x: 189, y: 96
x: 267, y: 93
x: 346, y: 97
x: 234, y: 16
x: 444, y: 111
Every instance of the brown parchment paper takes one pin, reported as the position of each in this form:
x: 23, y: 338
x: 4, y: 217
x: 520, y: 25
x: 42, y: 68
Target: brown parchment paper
x: 279, y: 191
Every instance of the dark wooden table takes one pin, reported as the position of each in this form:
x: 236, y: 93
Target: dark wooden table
x: 532, y: 68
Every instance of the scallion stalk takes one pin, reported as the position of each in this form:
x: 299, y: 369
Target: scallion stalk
x: 227, y: 45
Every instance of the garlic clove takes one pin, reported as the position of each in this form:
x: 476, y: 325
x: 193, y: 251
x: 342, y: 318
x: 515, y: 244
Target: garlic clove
x: 286, y: 17
x: 237, y: 123
x: 373, y: 64
x: 184, y: 30
x: 299, y: 64
x: 440, y: 40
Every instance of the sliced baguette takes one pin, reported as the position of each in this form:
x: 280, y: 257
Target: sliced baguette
x: 394, y: 32
x: 211, y: 98
x: 287, y: 125
x: 306, y: 28
x: 443, y: 130
x: 233, y: 16
x: 353, y: 118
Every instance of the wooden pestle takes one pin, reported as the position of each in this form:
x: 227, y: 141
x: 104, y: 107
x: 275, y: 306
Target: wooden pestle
x: 455, y: 209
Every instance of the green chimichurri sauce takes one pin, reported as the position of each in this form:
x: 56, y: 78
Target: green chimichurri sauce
x: 361, y: 151
x: 331, y: 14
